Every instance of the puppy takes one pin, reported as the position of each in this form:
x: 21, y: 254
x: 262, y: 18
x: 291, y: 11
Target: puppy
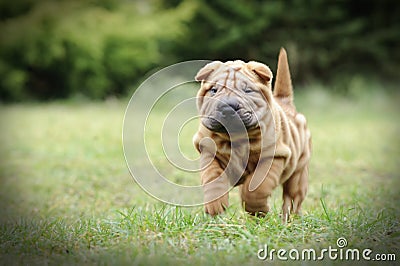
x: 251, y: 136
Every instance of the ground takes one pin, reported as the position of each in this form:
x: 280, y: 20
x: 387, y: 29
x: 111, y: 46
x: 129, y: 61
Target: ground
x: 66, y: 195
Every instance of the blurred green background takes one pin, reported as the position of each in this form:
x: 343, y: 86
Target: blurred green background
x: 66, y: 195
x: 97, y: 49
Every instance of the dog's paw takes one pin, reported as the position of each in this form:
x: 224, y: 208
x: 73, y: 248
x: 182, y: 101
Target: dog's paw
x: 217, y: 206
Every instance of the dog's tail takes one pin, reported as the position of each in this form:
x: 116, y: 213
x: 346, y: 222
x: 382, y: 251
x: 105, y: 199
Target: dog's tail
x: 283, y: 84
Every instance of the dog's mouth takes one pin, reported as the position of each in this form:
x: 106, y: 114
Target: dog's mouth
x: 234, y: 123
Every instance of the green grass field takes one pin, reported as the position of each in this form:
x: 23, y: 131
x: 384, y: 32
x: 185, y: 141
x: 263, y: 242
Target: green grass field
x: 66, y: 196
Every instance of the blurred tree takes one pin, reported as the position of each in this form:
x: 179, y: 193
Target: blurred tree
x: 327, y: 40
x: 58, y: 48
x: 10, y: 9
x: 97, y: 49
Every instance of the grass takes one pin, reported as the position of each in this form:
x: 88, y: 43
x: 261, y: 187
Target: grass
x: 66, y: 196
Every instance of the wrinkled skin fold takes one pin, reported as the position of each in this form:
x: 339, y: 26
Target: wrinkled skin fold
x: 259, y: 140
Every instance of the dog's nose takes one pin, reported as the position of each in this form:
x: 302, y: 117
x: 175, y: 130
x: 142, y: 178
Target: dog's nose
x: 229, y: 107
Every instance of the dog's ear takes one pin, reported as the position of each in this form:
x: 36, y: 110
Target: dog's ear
x: 261, y: 70
x: 206, y: 70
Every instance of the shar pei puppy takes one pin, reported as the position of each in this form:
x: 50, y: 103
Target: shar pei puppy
x: 250, y: 136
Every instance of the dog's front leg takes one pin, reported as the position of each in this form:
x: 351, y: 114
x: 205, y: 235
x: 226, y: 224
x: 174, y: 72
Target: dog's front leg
x: 255, y: 199
x: 215, y: 185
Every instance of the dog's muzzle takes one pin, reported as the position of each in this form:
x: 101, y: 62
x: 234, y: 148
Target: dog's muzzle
x: 229, y: 117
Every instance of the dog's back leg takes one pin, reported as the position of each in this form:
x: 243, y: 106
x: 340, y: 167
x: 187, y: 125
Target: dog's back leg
x: 294, y: 192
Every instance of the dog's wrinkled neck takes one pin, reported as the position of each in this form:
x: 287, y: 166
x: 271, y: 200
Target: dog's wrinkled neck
x: 251, y: 135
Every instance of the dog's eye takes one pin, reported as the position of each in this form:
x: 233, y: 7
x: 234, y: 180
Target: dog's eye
x: 247, y: 90
x: 213, y: 90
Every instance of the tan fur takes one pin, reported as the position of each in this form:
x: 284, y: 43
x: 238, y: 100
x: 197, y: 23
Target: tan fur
x: 283, y: 84
x: 264, y: 169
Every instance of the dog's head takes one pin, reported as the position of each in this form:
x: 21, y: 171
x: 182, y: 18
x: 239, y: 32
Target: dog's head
x: 234, y: 95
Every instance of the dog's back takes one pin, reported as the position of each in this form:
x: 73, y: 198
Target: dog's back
x: 296, y: 136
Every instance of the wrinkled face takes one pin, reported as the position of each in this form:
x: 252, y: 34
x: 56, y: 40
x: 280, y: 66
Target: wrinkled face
x: 233, y: 96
